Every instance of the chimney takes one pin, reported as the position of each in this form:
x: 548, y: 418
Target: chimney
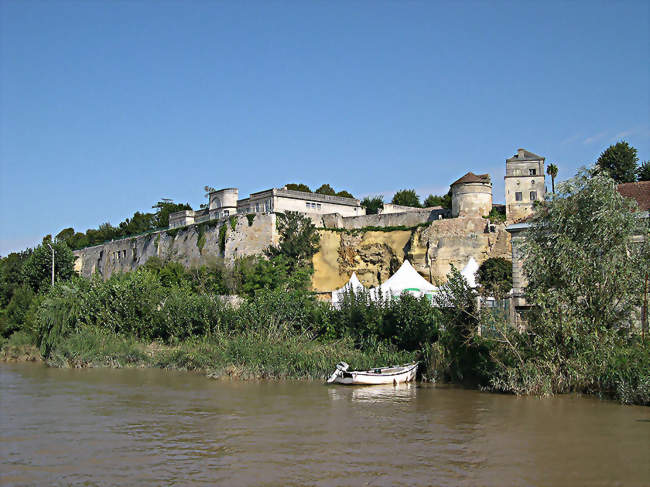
x: 520, y: 153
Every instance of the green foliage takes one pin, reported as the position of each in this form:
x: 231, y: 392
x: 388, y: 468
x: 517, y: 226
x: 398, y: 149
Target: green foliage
x: 496, y: 216
x: 405, y: 322
x: 494, y: 277
x: 233, y: 222
x: 15, y: 314
x: 251, y: 218
x: 11, y: 275
x: 298, y: 187
x: 372, y: 204
x: 326, y: 189
x: 344, y: 194
x: 407, y: 197
x: 643, y: 173
x: 444, y: 201
x: 138, y: 224
x: 464, y: 357
x: 620, y: 162
x: 222, y: 238
x: 37, y: 268
x: 580, y: 252
x: 299, y: 240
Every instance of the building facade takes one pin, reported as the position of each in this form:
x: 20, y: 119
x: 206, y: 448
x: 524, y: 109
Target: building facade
x: 524, y: 184
x: 225, y: 203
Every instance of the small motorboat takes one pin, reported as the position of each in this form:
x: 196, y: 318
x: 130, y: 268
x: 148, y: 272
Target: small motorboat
x: 395, y: 374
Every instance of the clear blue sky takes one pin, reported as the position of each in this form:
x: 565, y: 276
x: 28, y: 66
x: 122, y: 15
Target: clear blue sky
x: 105, y: 107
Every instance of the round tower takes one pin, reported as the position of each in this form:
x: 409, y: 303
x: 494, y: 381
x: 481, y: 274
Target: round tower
x: 223, y: 202
x: 471, y: 195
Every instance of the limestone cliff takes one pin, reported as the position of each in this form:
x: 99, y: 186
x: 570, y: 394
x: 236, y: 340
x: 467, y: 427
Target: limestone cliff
x: 228, y: 239
x: 373, y: 255
x: 432, y: 249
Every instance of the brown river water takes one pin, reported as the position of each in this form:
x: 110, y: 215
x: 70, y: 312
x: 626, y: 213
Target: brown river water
x: 153, y: 427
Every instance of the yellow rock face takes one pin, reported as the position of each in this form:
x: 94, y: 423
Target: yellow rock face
x: 432, y: 250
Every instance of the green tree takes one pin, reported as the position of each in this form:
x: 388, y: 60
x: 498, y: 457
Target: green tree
x: 164, y: 208
x: 444, y: 201
x: 620, y: 162
x: 372, y: 204
x: 11, y: 274
x: 298, y: 187
x: 299, y: 240
x: 581, y: 252
x: 37, y: 269
x: 326, y: 189
x: 344, y: 194
x: 551, y: 170
x: 494, y: 277
x: 643, y: 172
x: 406, y: 197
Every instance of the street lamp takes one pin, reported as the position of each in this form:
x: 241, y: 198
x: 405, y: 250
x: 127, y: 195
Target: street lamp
x: 52, y: 249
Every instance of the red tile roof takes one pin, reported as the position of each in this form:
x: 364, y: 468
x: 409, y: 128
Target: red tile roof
x: 470, y: 177
x: 640, y: 192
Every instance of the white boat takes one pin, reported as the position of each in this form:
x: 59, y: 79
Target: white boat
x: 396, y: 374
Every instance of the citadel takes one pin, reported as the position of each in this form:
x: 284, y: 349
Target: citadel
x: 373, y: 246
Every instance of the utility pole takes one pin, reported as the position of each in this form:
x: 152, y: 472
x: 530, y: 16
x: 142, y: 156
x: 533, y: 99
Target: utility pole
x: 52, y: 249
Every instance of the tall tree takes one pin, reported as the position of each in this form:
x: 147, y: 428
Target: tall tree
x: 299, y: 187
x: 372, y: 204
x: 326, y: 189
x: 644, y: 171
x: 444, y: 201
x: 551, y: 170
x: 620, y: 162
x: 495, y: 277
x: 37, y: 268
x: 407, y: 197
x: 344, y: 194
x: 582, y: 254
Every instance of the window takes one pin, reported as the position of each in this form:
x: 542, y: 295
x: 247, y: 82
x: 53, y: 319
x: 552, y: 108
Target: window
x: 307, y: 204
x: 518, y: 196
x: 533, y: 195
x: 532, y: 172
x: 257, y: 207
x: 318, y: 205
x: 226, y: 212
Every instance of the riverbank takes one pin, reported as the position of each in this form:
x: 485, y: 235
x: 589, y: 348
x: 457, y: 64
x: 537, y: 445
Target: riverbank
x: 249, y: 355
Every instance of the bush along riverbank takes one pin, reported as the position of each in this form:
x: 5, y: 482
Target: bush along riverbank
x: 586, y: 255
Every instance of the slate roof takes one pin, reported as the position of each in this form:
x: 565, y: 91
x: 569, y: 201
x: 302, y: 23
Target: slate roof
x: 470, y: 177
x: 637, y: 191
x: 528, y: 156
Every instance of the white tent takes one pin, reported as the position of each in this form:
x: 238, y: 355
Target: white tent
x: 353, y: 285
x: 469, y: 272
x: 405, y: 279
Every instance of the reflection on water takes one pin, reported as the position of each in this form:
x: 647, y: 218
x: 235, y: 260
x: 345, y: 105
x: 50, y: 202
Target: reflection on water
x: 374, y: 393
x: 153, y: 427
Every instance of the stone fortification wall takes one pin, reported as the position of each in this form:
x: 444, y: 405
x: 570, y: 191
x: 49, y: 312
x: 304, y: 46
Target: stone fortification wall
x: 376, y: 255
x: 191, y: 245
x: 407, y: 219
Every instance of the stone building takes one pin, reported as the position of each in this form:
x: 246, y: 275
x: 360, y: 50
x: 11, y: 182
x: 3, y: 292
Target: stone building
x: 471, y: 195
x: 224, y: 203
x: 524, y: 184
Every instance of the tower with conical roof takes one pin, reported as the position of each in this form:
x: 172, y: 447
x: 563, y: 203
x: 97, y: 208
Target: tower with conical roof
x: 524, y: 184
x: 471, y: 195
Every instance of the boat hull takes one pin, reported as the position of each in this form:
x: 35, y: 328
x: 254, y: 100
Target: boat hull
x: 395, y: 375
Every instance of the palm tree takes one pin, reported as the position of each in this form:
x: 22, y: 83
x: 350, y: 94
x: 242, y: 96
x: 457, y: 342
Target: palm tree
x: 551, y: 170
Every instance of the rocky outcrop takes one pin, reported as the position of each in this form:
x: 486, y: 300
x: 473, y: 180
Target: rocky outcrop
x: 432, y: 250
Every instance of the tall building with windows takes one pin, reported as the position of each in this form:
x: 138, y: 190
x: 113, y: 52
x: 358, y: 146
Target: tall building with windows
x: 524, y: 184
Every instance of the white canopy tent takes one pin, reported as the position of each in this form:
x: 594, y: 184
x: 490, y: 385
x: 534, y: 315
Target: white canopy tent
x: 469, y: 272
x: 405, y: 279
x: 353, y: 285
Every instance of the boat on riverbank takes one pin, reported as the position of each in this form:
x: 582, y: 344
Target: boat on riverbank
x: 396, y: 374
